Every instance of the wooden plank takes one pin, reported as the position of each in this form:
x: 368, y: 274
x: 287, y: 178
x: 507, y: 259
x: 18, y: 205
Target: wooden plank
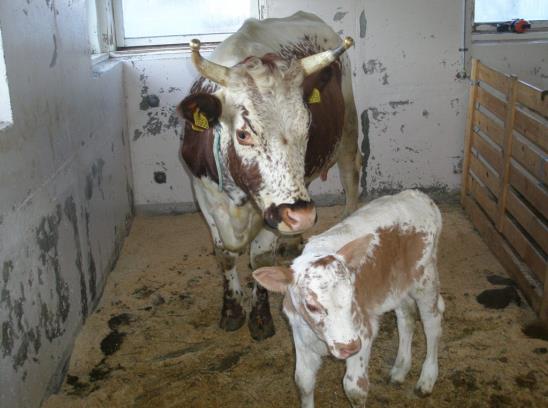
x: 497, y: 80
x: 532, y: 258
x: 488, y: 152
x: 489, y: 127
x: 531, y: 189
x: 528, y: 220
x: 543, y: 312
x: 492, y: 103
x: 502, y: 252
x: 532, y: 129
x: 485, y: 175
x: 534, y: 162
x: 472, y: 95
x: 507, y: 148
x: 481, y: 195
x: 531, y: 97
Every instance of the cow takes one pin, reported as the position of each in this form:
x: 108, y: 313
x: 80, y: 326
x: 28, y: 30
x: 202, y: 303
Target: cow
x: 381, y: 258
x: 272, y: 110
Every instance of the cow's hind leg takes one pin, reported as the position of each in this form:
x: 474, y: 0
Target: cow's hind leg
x: 350, y: 161
x: 431, y: 308
x: 405, y: 314
x: 262, y: 253
x: 232, y: 313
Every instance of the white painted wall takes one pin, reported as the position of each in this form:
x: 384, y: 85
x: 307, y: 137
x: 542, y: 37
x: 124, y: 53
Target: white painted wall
x: 65, y: 191
x: 527, y: 60
x: 405, y: 67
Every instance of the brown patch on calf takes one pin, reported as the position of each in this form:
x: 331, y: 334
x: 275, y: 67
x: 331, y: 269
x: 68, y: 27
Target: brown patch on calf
x: 363, y: 383
x: 392, y: 266
x: 323, y: 261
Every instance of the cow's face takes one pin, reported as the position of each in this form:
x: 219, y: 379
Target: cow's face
x: 265, y: 121
x: 321, y: 291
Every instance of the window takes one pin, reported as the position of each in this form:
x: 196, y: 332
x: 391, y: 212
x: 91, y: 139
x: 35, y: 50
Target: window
x: 157, y: 22
x: 493, y: 11
x: 100, y: 28
x: 5, y: 105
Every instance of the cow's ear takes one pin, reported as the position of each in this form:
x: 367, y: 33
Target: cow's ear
x: 315, y: 83
x: 197, y: 108
x: 355, y: 252
x: 274, y: 278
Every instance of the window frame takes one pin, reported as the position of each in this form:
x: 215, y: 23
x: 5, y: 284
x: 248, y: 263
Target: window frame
x: 122, y: 42
x: 6, y: 109
x: 100, y: 29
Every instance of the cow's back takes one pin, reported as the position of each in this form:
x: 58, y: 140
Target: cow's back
x: 258, y: 37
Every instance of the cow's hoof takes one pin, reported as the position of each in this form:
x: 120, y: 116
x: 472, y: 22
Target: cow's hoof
x: 261, y: 329
x: 232, y: 323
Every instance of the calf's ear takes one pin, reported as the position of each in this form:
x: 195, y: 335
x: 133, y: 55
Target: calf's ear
x: 274, y: 278
x: 202, y: 110
x: 355, y: 252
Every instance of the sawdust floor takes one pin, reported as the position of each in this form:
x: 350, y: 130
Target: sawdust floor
x: 154, y: 340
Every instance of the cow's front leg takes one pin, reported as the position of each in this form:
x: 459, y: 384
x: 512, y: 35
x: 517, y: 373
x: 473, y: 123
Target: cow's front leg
x: 262, y: 253
x: 232, y: 313
x: 356, y: 379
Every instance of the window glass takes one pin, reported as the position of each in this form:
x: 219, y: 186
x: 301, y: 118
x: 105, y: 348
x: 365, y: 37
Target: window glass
x: 504, y: 10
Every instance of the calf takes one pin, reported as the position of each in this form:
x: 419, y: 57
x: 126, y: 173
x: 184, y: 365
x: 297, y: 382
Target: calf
x: 381, y: 258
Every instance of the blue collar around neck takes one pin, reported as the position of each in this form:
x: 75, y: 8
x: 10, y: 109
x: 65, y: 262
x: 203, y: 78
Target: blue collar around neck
x: 217, y: 154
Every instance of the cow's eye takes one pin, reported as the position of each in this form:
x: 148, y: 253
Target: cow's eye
x: 244, y: 137
x: 312, y: 308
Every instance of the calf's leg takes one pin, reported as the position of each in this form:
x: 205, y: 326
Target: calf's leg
x: 405, y: 314
x: 431, y: 307
x: 308, y: 361
x: 356, y: 379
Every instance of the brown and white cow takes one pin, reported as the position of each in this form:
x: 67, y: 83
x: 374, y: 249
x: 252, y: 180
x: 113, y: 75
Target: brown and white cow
x: 381, y: 258
x: 272, y: 110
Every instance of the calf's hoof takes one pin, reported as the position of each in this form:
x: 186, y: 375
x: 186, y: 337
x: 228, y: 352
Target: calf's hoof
x: 422, y: 391
x: 261, y: 327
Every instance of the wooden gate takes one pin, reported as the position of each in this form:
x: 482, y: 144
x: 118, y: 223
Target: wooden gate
x: 505, y: 176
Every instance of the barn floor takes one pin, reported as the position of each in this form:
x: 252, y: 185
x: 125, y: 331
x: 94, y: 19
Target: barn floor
x: 154, y: 340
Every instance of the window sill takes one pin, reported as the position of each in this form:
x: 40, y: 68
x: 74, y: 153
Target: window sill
x: 494, y: 37
x: 98, y: 58
x: 158, y: 50
x: 5, y: 125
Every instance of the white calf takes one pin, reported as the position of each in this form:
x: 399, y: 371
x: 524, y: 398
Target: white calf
x: 381, y: 258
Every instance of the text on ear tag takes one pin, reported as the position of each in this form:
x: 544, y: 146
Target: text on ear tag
x: 315, y: 96
x: 200, y: 121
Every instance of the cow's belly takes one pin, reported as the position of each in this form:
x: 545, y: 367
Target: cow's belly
x: 232, y: 227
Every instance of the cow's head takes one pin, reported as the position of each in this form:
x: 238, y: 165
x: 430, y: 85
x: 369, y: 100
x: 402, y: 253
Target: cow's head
x: 261, y: 109
x: 321, y: 289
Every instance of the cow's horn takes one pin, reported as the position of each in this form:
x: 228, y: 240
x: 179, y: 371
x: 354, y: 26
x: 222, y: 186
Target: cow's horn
x: 314, y: 63
x: 212, y: 71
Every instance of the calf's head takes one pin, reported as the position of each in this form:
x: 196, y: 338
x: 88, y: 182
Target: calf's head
x: 321, y: 290
x: 264, y: 120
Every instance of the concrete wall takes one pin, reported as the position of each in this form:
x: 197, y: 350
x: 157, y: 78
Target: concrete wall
x: 410, y: 102
x: 65, y: 191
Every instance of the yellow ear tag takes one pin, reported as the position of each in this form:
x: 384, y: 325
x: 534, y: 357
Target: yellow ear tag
x: 200, y: 121
x: 315, y: 96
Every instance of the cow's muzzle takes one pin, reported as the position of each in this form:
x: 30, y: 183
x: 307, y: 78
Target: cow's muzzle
x: 291, y: 218
x: 344, y: 350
